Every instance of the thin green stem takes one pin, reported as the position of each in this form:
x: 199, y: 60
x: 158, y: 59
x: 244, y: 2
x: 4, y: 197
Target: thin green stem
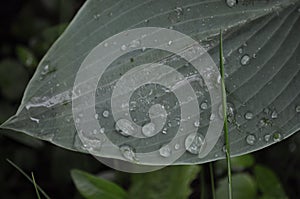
x: 224, y: 105
x: 26, y: 176
x: 35, y: 186
x: 212, y: 180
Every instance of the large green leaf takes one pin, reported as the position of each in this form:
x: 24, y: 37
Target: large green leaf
x: 243, y: 187
x: 261, y: 48
x: 170, y: 182
x: 268, y: 183
x: 92, y: 187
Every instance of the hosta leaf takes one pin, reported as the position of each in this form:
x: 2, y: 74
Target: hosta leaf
x: 261, y: 48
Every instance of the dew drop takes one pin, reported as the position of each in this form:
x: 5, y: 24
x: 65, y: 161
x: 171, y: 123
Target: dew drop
x: 35, y: 120
x: 245, y: 60
x: 97, y: 16
x: 264, y: 122
x: 105, y: 114
x: 46, y: 69
x: 212, y: 117
x: 249, y: 116
x: 177, y: 146
x: 230, y: 112
x: 179, y: 11
x: 204, y: 106
x: 96, y: 116
x: 274, y: 114
x: 251, y: 139
x: 267, y: 137
x: 231, y: 3
x: 135, y: 43
x: 297, y: 109
x: 276, y: 137
x: 125, y: 127
x: 165, y: 151
x: 194, y: 143
x: 240, y: 50
x: 123, y: 47
x: 128, y: 153
x: 149, y: 130
x: 197, y: 124
x: 170, y: 43
x: 102, y: 130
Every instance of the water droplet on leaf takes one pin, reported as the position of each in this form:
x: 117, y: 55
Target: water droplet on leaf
x: 274, y: 114
x: 245, y: 60
x: 231, y: 3
x: 149, y: 130
x: 34, y: 119
x: 277, y: 137
x: 123, y: 47
x: 251, y: 139
x: 128, y: 153
x: 135, y: 43
x: 197, y: 124
x: 105, y: 114
x: 203, y: 106
x: 249, y: 116
x: 297, y: 109
x: 267, y: 137
x: 194, y: 143
x: 125, y: 127
x: 165, y: 151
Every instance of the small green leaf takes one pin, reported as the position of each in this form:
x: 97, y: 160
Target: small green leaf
x: 242, y: 162
x: 243, y: 187
x: 92, y: 187
x: 268, y: 183
x: 26, y: 57
x: 170, y: 182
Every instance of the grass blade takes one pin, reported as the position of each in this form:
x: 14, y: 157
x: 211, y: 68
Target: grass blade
x: 212, y: 180
x: 35, y: 186
x: 32, y: 181
x: 224, y: 105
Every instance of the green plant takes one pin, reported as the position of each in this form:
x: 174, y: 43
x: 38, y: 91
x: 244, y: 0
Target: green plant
x: 261, y: 62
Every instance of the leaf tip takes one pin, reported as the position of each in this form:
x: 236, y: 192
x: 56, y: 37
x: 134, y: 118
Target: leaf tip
x: 8, y: 123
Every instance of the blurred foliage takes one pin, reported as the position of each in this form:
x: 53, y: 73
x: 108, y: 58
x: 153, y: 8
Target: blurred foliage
x: 28, y: 29
x: 169, y: 182
x: 92, y: 187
